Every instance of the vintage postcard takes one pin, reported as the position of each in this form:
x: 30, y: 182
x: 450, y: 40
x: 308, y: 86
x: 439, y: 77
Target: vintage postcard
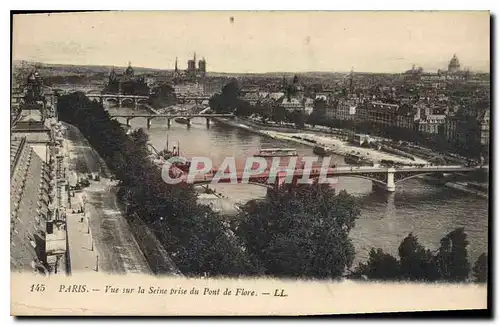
x: 249, y: 163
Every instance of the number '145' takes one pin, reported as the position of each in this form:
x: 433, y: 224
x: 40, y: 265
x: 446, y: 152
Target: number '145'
x: 37, y: 288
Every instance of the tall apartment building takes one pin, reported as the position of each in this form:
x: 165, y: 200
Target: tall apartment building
x: 346, y: 109
x: 189, y: 89
x: 484, y: 122
x: 378, y: 112
x: 430, y: 119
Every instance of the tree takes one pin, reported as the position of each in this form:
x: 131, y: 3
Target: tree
x: 451, y: 259
x: 380, y: 266
x: 297, y: 117
x: 480, y: 270
x: 162, y: 96
x: 417, y: 264
x: 140, y: 137
x: 244, y: 109
x: 319, y: 108
x: 215, y: 103
x: 227, y: 101
x: 279, y: 113
x: 301, y: 231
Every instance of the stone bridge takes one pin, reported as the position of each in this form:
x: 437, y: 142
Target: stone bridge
x: 120, y: 99
x: 149, y: 117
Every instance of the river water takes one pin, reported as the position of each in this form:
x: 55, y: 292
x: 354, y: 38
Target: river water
x: 426, y: 210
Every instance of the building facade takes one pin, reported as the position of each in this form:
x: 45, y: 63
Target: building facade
x: 432, y: 123
x: 186, y: 89
x: 378, y: 112
x: 292, y: 104
x: 346, y: 109
x: 484, y: 122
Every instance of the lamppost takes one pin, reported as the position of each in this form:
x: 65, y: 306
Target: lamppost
x: 178, y: 147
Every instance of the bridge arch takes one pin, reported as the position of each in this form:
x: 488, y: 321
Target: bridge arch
x: 412, y: 177
x: 111, y: 99
x: 94, y: 98
x: 360, y: 176
x: 260, y: 184
x: 127, y: 100
x: 417, y: 175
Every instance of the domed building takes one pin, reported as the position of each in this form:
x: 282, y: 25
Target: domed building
x: 130, y: 71
x: 34, y: 85
x: 127, y: 83
x: 454, y: 65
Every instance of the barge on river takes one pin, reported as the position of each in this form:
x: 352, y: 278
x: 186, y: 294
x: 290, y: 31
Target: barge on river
x: 277, y: 152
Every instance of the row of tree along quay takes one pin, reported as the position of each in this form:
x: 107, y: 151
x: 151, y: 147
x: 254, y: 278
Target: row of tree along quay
x: 297, y: 231
x: 449, y: 263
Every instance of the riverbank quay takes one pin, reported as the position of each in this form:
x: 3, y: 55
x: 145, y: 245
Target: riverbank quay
x: 464, y: 187
x: 108, y: 243
x: 332, y: 144
x: 102, y: 237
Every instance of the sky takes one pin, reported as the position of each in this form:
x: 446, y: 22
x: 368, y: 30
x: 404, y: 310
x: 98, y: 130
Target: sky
x: 248, y: 42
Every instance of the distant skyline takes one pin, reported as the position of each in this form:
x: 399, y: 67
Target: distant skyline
x: 258, y: 42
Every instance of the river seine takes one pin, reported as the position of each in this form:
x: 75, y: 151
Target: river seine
x: 426, y: 210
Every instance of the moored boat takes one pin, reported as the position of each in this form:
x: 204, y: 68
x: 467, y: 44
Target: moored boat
x: 320, y: 150
x: 182, y: 120
x: 277, y: 152
x: 355, y: 159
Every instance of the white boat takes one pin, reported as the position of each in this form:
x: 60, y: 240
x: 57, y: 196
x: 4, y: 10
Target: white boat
x: 277, y: 152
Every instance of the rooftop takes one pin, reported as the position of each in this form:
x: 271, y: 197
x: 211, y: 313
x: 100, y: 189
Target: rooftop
x: 29, y: 209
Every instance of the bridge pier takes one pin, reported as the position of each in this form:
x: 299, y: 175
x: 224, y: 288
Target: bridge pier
x: 149, y: 122
x: 208, y: 122
x: 168, y: 122
x: 128, y: 121
x: 390, y: 184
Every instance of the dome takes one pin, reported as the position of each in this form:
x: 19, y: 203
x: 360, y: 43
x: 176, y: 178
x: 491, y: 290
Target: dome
x: 31, y: 77
x: 454, y: 64
x: 130, y: 70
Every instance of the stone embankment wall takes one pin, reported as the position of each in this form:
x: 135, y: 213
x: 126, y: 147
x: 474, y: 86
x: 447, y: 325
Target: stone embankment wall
x: 157, y: 257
